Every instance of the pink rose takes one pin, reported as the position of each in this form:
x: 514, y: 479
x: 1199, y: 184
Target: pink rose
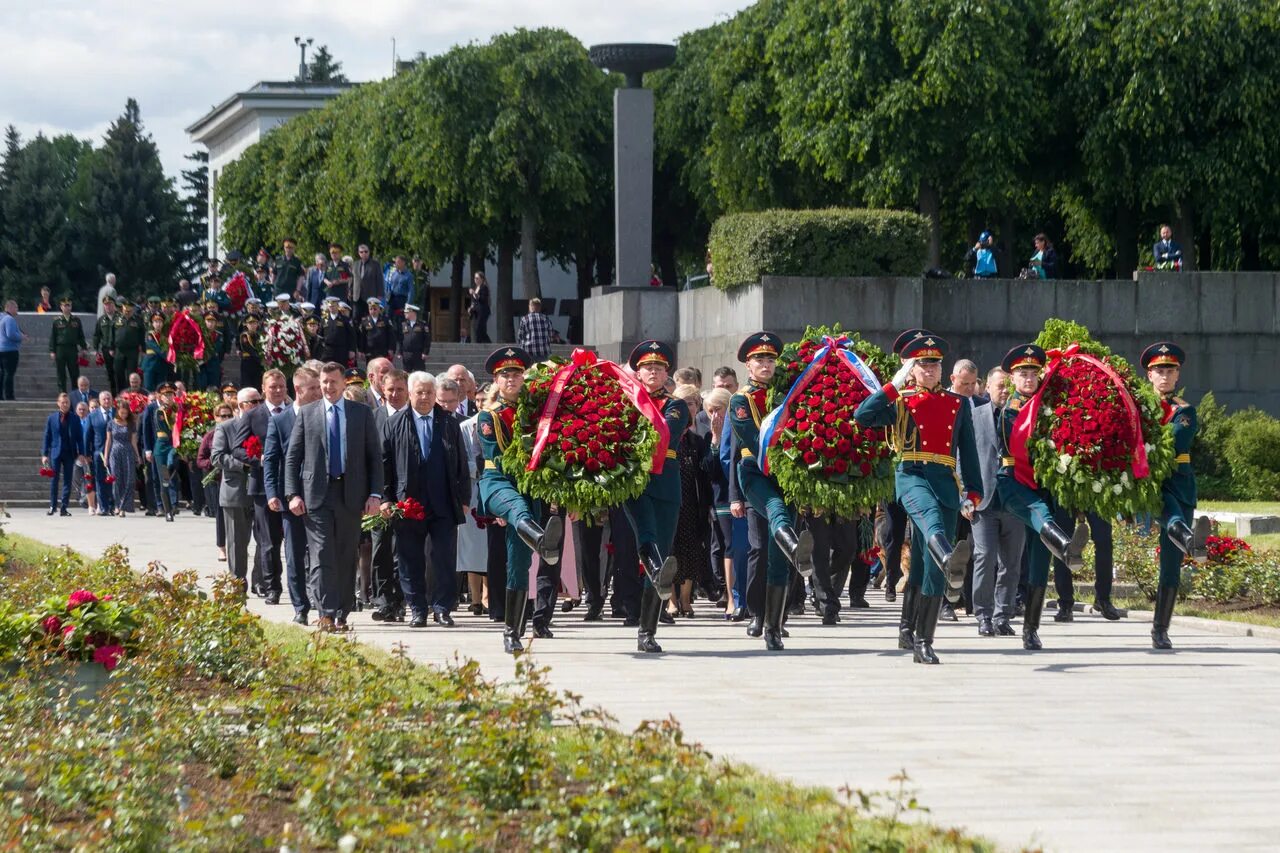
x: 79, y: 597
x: 108, y: 656
x: 52, y: 625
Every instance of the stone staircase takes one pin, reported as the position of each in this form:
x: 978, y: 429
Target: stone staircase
x: 21, y: 432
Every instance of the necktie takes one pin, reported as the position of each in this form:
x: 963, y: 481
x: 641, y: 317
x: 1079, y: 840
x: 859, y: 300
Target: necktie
x: 335, y: 443
x: 275, y: 410
x: 425, y: 433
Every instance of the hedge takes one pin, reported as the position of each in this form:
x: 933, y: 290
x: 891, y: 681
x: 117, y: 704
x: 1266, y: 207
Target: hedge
x: 1237, y: 455
x: 834, y: 242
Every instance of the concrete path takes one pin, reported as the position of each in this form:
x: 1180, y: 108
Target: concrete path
x: 1095, y: 743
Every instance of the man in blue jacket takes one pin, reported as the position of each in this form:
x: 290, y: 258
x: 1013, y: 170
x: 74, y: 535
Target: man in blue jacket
x: 63, y: 446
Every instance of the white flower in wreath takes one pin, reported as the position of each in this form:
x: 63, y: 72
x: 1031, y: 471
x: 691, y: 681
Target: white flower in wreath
x: 1078, y: 476
x: 1064, y: 462
x: 1117, y: 488
x: 1097, y: 487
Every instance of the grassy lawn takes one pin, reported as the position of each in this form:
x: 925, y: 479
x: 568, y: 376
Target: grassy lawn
x: 1254, y: 507
x: 228, y: 733
x: 1260, y: 541
x: 1267, y: 616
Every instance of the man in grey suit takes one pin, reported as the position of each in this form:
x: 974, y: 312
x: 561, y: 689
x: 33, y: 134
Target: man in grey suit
x: 998, y: 536
x: 228, y: 453
x: 306, y: 388
x: 388, y: 597
x: 333, y: 475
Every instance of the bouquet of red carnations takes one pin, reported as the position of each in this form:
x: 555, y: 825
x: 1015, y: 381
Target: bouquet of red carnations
x: 407, y: 508
x: 196, y: 418
x: 252, y: 447
x: 238, y: 292
x: 136, y: 399
x: 282, y: 345
x: 586, y: 435
x: 1092, y: 434
x: 823, y: 459
x: 48, y: 472
x: 83, y: 361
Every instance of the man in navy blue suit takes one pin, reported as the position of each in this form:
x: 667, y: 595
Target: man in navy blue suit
x: 63, y: 446
x: 306, y: 389
x: 99, y: 423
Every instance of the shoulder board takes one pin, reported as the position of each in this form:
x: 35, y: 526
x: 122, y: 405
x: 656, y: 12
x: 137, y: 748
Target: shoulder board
x: 1179, y: 402
x: 909, y: 392
x: 1015, y: 403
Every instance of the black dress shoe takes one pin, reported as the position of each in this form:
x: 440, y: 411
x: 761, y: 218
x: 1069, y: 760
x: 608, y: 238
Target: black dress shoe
x: 631, y: 622
x: 52, y: 510
x: 542, y: 632
x: 1107, y: 609
x: 1004, y: 629
x: 382, y: 614
x: 593, y: 613
x: 1066, y: 613
x: 948, y: 612
x: 859, y: 603
x: 830, y: 616
x: 985, y: 628
x: 567, y: 605
x: 419, y: 620
x: 738, y: 615
x: 273, y: 598
x: 756, y: 628
x: 666, y: 618
x: 442, y: 617
x: 300, y: 618
x: 65, y: 514
x: 890, y: 594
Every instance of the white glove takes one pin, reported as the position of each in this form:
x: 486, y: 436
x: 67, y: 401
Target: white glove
x: 904, y: 373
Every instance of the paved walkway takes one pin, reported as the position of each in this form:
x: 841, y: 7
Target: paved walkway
x: 1095, y: 743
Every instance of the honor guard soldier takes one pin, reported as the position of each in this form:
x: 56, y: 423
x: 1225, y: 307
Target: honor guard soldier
x: 104, y: 340
x: 337, y: 343
x: 930, y: 425
x: 415, y: 339
x: 215, y: 348
x: 164, y: 449
x: 1033, y: 507
x: 155, y: 364
x: 746, y: 409
x: 499, y: 497
x: 130, y: 332
x: 377, y: 335
x: 655, y: 512
x: 311, y: 336
x: 66, y: 342
x: 1163, y: 362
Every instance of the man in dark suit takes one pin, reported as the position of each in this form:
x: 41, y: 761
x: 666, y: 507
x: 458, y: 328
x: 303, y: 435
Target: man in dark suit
x: 388, y: 596
x: 82, y: 393
x: 63, y: 446
x: 333, y: 474
x: 99, y: 423
x: 228, y: 453
x: 268, y: 531
x: 424, y: 458
x: 306, y: 389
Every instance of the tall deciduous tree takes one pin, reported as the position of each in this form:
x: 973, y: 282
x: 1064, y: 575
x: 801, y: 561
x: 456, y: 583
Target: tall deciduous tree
x: 129, y: 215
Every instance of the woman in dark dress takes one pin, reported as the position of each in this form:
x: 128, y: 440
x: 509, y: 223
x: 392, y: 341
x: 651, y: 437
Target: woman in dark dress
x: 692, y: 548
x: 120, y: 453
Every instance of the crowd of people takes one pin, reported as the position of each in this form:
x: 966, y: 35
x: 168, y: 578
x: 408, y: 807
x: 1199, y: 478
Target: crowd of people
x: 385, y: 491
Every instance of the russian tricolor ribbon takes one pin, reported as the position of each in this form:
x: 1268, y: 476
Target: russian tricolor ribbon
x: 771, y: 426
x: 1024, y: 424
x: 585, y: 358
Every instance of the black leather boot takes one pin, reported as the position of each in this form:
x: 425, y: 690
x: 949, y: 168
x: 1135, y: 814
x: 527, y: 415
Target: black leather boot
x: 661, y: 573
x: 797, y: 546
x: 1031, y: 619
x: 775, y: 605
x: 907, y: 622
x: 954, y: 562
x: 164, y: 501
x: 1166, y: 596
x: 1189, y: 542
x: 926, y: 623
x: 756, y: 626
x: 1068, y: 549
x: 514, y: 620
x: 545, y: 541
x: 650, y: 607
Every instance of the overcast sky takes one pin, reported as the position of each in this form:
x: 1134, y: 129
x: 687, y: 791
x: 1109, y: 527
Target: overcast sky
x: 70, y: 66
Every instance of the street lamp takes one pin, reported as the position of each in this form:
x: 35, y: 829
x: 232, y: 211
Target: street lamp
x: 302, y: 44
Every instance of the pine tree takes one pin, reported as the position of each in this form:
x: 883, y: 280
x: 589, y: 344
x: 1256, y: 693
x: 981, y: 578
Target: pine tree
x: 12, y: 149
x: 323, y: 68
x: 130, y: 215
x: 195, y: 204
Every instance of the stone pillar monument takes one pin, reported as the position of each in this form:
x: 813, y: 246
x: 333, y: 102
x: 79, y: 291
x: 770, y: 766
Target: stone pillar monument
x: 633, y: 155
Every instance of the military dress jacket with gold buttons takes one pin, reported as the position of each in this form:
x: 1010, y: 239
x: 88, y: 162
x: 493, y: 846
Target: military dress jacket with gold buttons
x: 1180, y: 418
x: 666, y: 486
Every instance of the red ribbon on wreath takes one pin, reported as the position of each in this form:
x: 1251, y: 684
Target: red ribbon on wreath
x: 630, y: 386
x: 1024, y: 423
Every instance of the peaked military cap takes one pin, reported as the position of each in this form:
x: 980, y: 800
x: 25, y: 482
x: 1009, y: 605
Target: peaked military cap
x: 507, y: 358
x: 761, y: 343
x: 651, y: 352
x: 1163, y: 353
x: 283, y: 297
x: 1024, y: 355
x: 66, y: 300
x: 411, y: 307
x: 354, y: 376
x: 108, y: 298
x: 920, y: 344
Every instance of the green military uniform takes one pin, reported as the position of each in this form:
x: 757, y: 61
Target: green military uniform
x: 499, y: 498
x: 785, y: 547
x: 1033, y: 507
x: 104, y: 341
x: 129, y: 335
x: 66, y: 340
x: 930, y: 427
x: 1181, y: 535
x: 209, y: 374
x: 155, y: 366
x: 286, y: 273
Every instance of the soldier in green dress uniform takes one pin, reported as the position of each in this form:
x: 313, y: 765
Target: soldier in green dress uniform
x: 654, y: 513
x: 1033, y: 507
x: 104, y: 340
x: 129, y: 334
x: 786, y: 548
x: 500, y: 499
x: 66, y: 342
x: 209, y: 373
x: 164, y: 451
x: 1163, y: 362
x: 930, y: 426
x: 156, y: 369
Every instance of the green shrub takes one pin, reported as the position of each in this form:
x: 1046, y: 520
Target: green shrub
x: 834, y: 242
x: 1208, y: 452
x: 1253, y: 451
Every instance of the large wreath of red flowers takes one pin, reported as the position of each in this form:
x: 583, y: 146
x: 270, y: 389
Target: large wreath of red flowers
x: 824, y: 459
x: 587, y: 449
x: 238, y: 292
x: 196, y: 408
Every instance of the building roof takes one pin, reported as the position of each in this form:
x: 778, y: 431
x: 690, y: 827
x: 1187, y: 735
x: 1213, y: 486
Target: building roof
x: 263, y: 94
